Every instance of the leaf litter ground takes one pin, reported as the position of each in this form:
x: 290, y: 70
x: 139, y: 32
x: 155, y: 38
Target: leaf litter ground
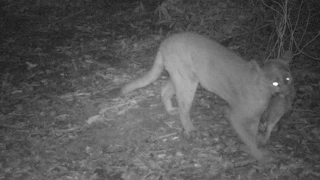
x: 57, y: 121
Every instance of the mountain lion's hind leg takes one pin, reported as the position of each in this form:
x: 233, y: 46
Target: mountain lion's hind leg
x: 167, y: 92
x: 185, y: 91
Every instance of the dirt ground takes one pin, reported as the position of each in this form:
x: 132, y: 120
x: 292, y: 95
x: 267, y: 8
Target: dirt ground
x: 58, y: 122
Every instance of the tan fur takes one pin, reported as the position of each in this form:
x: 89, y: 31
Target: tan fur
x: 192, y: 59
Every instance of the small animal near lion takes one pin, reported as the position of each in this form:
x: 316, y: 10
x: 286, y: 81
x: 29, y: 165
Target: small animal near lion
x: 192, y: 59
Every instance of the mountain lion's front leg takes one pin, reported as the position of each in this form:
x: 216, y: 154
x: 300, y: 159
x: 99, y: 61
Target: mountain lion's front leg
x: 246, y: 127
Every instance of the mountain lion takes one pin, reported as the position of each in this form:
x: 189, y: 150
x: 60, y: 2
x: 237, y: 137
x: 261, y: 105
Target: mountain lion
x: 193, y: 59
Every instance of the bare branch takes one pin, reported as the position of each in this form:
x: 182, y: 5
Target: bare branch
x: 311, y: 57
x: 270, y: 7
x: 305, y: 29
x: 296, y: 24
x: 314, y: 38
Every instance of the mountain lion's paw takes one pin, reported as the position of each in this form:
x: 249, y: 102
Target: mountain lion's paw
x: 173, y: 111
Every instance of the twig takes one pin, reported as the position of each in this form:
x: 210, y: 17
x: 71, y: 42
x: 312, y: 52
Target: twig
x: 282, y: 6
x: 270, y: 7
x: 311, y: 57
x: 305, y: 29
x: 296, y: 24
x: 165, y: 136
x: 314, y: 38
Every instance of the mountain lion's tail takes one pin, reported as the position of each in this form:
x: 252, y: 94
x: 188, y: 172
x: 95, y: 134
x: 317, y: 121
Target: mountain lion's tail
x: 146, y: 79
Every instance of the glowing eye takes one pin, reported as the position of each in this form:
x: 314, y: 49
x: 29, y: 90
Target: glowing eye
x: 288, y: 79
x: 275, y: 84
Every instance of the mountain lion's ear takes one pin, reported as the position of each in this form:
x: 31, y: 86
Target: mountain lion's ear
x: 287, y: 56
x: 285, y: 59
x: 258, y: 71
x: 255, y: 65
